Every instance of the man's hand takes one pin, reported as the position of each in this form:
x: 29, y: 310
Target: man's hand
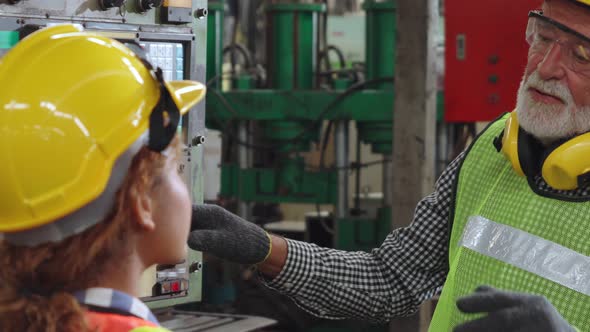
x: 507, y: 311
x: 217, y: 231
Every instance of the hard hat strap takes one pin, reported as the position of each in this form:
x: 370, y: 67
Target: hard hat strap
x: 164, y: 118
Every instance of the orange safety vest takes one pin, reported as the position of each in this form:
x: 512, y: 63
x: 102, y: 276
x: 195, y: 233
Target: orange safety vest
x: 110, y: 322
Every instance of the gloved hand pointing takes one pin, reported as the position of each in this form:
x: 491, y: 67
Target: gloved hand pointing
x: 217, y: 231
x: 507, y: 311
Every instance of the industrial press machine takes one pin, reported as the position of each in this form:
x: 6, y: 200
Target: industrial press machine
x: 272, y: 121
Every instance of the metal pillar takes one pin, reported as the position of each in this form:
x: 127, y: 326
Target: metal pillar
x: 292, y: 34
x: 215, y: 43
x: 387, y: 180
x: 380, y: 26
x: 244, y: 163
x: 341, y: 147
x: 414, y: 123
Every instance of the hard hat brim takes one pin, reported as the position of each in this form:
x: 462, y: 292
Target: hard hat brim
x: 583, y: 3
x: 186, y: 94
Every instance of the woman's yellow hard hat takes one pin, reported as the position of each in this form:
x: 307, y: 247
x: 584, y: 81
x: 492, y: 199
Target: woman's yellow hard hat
x: 71, y: 103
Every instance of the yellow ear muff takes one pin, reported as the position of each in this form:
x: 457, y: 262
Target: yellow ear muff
x: 510, y: 143
x: 568, y: 166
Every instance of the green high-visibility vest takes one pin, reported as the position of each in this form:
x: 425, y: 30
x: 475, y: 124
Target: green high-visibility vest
x: 506, y: 236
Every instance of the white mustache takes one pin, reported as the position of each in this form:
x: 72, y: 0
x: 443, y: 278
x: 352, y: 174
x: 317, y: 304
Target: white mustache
x: 549, y: 122
x: 554, y: 88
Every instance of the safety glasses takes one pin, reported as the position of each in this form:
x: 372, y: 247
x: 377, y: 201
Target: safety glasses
x: 543, y: 34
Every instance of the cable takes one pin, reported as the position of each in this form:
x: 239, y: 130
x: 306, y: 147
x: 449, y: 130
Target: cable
x: 224, y: 101
x: 373, y: 163
x: 328, y: 229
x: 343, y: 96
x: 324, y: 143
x: 339, y: 54
x: 340, y: 71
x: 226, y: 130
x: 352, y: 165
x: 234, y: 38
x: 347, y: 93
x: 246, y: 54
x: 355, y: 165
x: 324, y: 57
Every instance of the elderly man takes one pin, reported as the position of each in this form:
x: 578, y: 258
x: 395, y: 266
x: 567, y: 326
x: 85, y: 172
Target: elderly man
x: 505, y: 233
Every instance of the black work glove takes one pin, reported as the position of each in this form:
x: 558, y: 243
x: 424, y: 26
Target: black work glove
x: 507, y: 311
x: 219, y: 232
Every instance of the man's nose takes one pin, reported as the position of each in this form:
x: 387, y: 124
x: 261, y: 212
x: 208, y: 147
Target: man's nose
x: 552, y: 66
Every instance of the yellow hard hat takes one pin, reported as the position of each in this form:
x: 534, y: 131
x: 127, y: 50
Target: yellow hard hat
x: 71, y: 103
x: 583, y: 2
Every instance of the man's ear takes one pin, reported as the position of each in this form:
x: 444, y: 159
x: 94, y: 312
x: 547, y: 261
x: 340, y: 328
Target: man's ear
x: 141, y: 208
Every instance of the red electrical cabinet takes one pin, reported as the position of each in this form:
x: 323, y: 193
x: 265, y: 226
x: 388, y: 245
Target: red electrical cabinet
x: 485, y: 57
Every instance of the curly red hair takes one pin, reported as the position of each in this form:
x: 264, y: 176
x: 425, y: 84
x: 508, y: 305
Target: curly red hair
x: 36, y: 282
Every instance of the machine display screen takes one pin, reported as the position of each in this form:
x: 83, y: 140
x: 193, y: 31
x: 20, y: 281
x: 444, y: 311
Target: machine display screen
x: 7, y: 40
x: 168, y: 56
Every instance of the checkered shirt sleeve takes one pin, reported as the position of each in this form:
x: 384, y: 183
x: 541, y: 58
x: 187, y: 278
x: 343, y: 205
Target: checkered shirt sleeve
x: 392, y: 280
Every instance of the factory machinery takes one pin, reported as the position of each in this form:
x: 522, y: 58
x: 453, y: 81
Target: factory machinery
x: 270, y: 121
x: 272, y: 114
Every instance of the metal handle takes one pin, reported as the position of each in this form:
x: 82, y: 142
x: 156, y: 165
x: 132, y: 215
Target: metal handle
x: 461, y: 47
x: 195, y: 267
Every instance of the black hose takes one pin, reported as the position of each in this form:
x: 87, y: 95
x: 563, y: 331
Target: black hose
x: 338, y: 52
x: 234, y: 37
x: 246, y: 54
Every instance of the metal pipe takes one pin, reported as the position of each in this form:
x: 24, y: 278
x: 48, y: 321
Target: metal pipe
x: 387, y: 186
x: 243, y: 162
x: 357, y: 184
x: 442, y: 148
x: 341, y: 149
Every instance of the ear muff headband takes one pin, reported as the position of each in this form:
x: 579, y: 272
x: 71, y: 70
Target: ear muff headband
x: 510, y: 143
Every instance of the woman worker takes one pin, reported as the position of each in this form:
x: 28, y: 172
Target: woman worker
x: 90, y: 195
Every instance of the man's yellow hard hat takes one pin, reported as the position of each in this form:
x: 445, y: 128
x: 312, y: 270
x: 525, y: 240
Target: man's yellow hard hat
x: 71, y: 102
x: 584, y: 2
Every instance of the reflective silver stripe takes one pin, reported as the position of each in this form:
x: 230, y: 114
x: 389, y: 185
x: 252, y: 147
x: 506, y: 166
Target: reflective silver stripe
x: 528, y: 252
